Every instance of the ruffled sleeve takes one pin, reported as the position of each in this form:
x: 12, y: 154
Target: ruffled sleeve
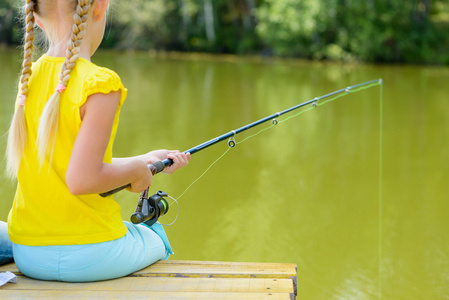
x: 103, y: 81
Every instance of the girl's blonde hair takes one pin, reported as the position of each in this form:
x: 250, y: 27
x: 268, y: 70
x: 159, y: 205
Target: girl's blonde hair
x: 17, y: 137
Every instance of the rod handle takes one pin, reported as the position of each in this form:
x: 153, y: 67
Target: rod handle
x: 155, y: 168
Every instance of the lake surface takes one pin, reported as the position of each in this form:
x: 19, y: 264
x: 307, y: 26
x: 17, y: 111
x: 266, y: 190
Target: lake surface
x: 307, y: 191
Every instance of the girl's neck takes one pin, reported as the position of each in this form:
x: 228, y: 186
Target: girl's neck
x: 59, y: 33
x: 59, y: 48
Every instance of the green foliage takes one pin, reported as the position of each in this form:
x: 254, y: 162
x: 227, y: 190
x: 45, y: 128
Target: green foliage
x: 9, y: 25
x: 373, y: 30
x: 288, y: 26
x: 370, y: 30
x: 139, y: 23
x: 186, y: 25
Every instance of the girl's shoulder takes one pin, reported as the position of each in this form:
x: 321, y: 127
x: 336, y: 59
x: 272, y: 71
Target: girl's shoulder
x: 92, y: 72
x: 96, y: 79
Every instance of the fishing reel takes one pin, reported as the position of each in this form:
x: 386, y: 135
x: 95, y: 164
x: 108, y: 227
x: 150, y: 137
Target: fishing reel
x: 149, y: 209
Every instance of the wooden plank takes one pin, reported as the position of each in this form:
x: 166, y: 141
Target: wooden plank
x: 170, y: 280
x: 119, y: 295
x: 160, y: 284
x: 181, y: 268
x: 11, y: 267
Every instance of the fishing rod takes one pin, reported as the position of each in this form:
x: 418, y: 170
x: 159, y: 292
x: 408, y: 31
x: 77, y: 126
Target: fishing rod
x: 159, y: 166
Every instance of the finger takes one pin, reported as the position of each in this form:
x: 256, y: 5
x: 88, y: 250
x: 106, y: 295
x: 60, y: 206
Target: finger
x: 176, y: 160
x: 175, y: 157
x: 172, y: 152
x: 182, y: 159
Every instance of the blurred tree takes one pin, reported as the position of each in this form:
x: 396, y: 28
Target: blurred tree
x: 288, y: 27
x: 225, y: 26
x: 9, y: 27
x: 370, y: 30
x: 139, y: 23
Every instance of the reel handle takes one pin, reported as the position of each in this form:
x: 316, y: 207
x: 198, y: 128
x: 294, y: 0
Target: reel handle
x: 155, y: 168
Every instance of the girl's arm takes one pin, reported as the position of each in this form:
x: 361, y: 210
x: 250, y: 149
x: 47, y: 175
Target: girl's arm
x: 86, y: 172
x: 179, y: 159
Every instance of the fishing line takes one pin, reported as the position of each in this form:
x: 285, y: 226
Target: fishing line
x: 381, y: 117
x: 159, y: 166
x: 177, y: 214
x: 182, y: 194
x: 315, y: 103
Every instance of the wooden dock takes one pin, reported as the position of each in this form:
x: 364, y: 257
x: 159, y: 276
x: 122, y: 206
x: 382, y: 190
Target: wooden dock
x: 169, y: 280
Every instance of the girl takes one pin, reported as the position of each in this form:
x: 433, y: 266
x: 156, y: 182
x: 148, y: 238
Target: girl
x: 60, y: 148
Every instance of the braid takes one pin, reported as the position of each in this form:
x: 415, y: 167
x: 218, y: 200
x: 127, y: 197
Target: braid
x: 50, y: 115
x: 17, y: 137
x: 73, y: 46
x: 28, y: 48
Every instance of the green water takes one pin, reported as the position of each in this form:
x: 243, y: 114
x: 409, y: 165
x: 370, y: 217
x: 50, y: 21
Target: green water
x: 305, y: 191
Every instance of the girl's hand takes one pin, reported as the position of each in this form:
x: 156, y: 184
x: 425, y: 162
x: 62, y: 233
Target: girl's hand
x: 180, y: 159
x: 143, y: 177
x: 156, y: 155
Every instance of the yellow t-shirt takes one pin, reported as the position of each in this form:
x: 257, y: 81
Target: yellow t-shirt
x: 44, y: 211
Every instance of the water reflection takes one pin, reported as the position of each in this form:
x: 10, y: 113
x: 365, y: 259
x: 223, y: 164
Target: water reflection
x: 305, y: 191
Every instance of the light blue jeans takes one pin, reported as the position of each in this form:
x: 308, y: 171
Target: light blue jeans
x: 5, y: 244
x: 139, y: 248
